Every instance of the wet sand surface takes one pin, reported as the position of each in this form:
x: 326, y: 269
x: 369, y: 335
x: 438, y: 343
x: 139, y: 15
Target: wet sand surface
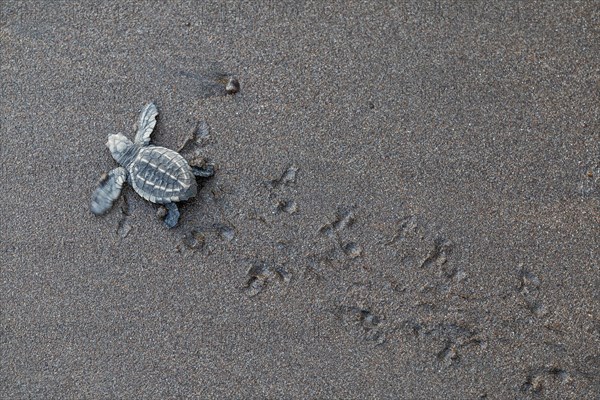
x: 406, y: 202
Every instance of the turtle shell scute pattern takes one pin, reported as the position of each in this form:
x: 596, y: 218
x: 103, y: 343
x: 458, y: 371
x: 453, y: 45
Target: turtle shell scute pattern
x: 161, y: 175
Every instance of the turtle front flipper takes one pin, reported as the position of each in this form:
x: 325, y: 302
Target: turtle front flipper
x: 203, y: 172
x: 146, y: 124
x: 172, y: 215
x: 108, y: 190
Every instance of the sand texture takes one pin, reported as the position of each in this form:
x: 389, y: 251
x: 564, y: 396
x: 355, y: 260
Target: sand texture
x: 406, y: 202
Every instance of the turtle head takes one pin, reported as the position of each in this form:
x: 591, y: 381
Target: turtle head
x: 120, y: 147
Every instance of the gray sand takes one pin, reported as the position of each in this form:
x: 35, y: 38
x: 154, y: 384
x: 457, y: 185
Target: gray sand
x: 438, y: 239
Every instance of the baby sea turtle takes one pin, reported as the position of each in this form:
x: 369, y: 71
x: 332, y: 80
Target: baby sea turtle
x: 158, y: 174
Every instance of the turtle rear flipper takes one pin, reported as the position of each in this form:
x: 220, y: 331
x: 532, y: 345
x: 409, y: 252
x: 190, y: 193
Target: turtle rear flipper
x: 146, y: 124
x: 108, y: 190
x: 172, y: 215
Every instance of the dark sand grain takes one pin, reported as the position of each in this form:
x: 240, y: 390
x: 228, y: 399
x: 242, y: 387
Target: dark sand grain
x: 406, y: 202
